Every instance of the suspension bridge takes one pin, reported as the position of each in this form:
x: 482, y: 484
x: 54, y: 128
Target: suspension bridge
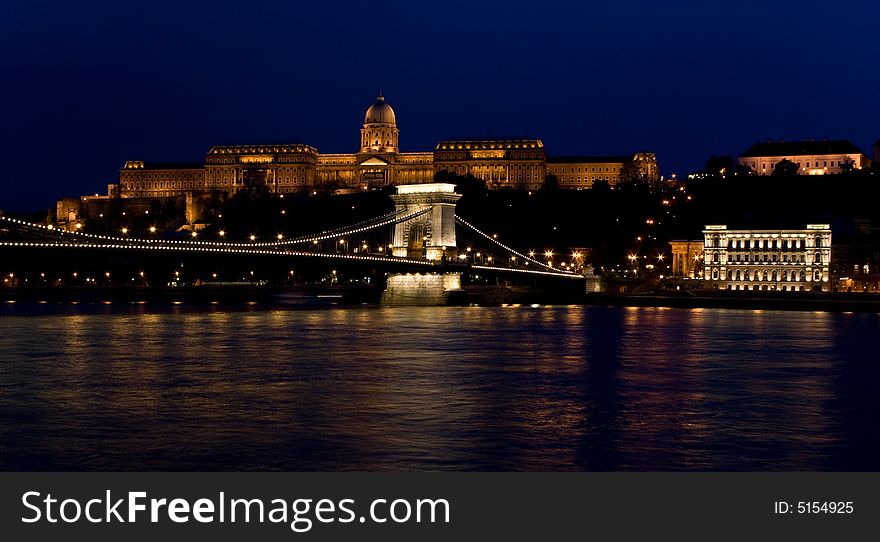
x: 424, y: 258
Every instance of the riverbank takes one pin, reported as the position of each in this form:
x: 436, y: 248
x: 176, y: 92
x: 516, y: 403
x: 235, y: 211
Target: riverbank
x: 318, y: 296
x: 789, y: 301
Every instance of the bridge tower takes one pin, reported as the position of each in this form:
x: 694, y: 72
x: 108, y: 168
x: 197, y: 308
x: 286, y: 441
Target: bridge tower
x: 430, y: 235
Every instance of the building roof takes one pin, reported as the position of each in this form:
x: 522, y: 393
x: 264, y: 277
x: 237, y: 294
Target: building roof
x: 801, y: 148
x: 489, y: 143
x: 276, y: 148
x: 138, y: 164
x: 380, y: 112
x: 588, y: 159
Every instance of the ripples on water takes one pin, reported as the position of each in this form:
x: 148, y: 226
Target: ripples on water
x: 568, y: 388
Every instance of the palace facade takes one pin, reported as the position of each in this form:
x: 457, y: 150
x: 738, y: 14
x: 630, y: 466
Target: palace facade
x: 810, y: 157
x: 781, y: 260
x: 502, y: 163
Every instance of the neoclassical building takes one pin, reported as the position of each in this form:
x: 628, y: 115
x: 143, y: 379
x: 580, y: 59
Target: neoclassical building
x: 780, y: 260
x: 501, y: 163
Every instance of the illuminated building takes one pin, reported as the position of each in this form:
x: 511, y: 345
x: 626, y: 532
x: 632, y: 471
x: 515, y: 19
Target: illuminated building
x: 810, y: 157
x: 855, y: 263
x: 781, y: 260
x: 686, y: 258
x: 580, y: 172
x: 502, y: 163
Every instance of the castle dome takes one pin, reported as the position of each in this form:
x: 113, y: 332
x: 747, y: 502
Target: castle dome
x: 380, y: 112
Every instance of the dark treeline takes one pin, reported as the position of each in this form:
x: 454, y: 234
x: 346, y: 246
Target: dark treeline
x: 632, y: 218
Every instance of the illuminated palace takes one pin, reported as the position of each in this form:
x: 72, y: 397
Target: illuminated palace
x: 515, y: 163
x: 811, y: 157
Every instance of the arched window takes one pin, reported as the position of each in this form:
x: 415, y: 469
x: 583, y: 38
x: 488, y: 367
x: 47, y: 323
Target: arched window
x: 803, y: 275
x: 784, y: 276
x: 738, y: 275
x: 817, y: 276
x: 729, y: 274
x: 775, y: 276
x: 766, y: 276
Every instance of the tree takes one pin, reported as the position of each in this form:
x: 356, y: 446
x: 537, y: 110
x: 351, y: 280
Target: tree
x: 720, y: 166
x: 743, y: 170
x: 551, y: 183
x: 464, y: 184
x: 785, y: 168
x: 155, y: 207
x: 601, y: 186
x: 631, y: 173
x: 847, y: 166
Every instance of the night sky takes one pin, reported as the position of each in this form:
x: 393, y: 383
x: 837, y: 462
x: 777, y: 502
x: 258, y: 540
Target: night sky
x: 85, y: 88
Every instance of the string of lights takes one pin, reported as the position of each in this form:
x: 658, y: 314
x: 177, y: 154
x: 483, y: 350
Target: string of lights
x: 384, y: 220
x: 529, y: 271
x: 72, y: 240
x: 464, y: 222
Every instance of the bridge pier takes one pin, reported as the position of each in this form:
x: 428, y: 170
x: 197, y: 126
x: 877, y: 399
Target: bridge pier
x: 428, y: 236
x: 406, y: 289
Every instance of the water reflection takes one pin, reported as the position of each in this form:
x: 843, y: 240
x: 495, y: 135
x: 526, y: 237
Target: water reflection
x: 568, y: 388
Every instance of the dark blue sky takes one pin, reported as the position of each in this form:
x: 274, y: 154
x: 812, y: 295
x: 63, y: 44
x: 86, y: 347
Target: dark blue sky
x: 86, y: 87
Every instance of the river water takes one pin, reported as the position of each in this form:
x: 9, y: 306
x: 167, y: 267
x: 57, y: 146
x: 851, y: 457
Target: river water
x: 473, y: 388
